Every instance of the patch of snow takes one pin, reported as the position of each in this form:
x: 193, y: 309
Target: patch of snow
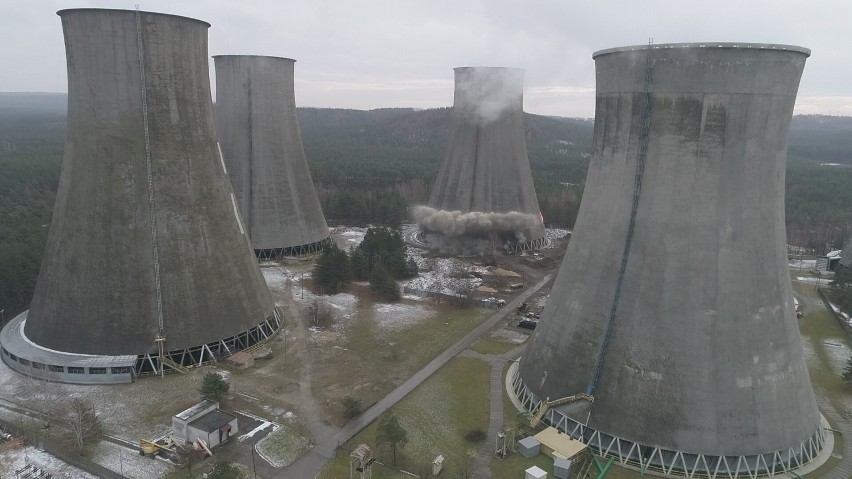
x: 128, y: 462
x: 556, y: 233
x: 16, y: 459
x: 803, y: 263
x: 351, y: 235
x: 342, y: 301
x: 261, y: 427
x: 276, y: 278
x: 399, y: 316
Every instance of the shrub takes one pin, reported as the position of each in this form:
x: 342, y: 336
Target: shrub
x: 213, y: 387
x: 476, y: 435
x: 351, y: 407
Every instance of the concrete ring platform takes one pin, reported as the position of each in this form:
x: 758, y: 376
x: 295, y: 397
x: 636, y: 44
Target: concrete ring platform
x: 28, y: 358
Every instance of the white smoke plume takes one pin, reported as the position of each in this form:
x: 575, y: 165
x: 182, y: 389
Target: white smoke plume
x: 475, y: 223
x: 487, y: 92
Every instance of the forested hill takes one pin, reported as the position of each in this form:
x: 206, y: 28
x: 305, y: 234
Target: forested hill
x: 378, y: 145
x: 822, y: 139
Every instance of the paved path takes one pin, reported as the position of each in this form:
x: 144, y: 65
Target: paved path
x: 310, y: 464
x: 495, y: 419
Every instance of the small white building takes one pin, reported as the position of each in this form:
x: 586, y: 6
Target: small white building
x: 205, y: 421
x: 535, y: 472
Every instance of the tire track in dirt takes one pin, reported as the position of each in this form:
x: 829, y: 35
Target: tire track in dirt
x: 314, y: 414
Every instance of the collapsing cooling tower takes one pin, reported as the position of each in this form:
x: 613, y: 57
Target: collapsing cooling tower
x: 145, y: 240
x: 673, y: 308
x: 256, y: 120
x: 485, y: 187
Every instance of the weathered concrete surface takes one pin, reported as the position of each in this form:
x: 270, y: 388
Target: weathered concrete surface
x: 97, y: 291
x: 262, y: 146
x: 705, y: 354
x: 485, y: 167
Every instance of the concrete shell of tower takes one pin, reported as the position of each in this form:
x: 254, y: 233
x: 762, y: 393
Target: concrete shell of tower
x: 97, y: 291
x: 673, y: 305
x: 259, y: 133
x: 485, y: 166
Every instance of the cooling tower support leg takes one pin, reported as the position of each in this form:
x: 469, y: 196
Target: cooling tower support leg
x: 671, y: 463
x: 602, y: 469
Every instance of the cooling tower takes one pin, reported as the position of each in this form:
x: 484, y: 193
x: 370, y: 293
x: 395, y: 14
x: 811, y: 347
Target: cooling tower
x: 485, y: 185
x: 145, y: 240
x: 259, y: 132
x: 673, y: 307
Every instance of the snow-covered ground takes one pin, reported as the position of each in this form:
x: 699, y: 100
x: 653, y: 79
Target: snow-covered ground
x: 436, y: 274
x: 351, y: 235
x: 802, y: 263
x: 813, y: 280
x: 556, y: 233
x: 16, y: 459
x: 399, y: 316
x: 129, y: 463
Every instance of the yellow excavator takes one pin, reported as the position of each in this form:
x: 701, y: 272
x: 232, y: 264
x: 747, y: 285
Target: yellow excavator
x: 152, y: 448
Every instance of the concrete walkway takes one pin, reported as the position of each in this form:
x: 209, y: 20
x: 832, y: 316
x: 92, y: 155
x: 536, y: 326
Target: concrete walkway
x: 495, y: 418
x: 310, y: 464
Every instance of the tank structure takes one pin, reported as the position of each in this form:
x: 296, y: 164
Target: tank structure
x: 147, y: 264
x: 259, y: 132
x: 484, y: 195
x: 669, y: 343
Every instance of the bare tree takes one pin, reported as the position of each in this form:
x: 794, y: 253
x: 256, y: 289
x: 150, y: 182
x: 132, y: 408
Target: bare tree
x: 466, y: 467
x: 83, y: 422
x: 41, y: 395
x: 323, y: 314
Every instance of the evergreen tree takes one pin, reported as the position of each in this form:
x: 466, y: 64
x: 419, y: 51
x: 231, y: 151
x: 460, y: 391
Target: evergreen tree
x: 387, y: 247
x: 390, y: 432
x: 331, y: 270
x: 841, y: 287
x: 358, y: 265
x: 382, y: 283
x: 213, y: 387
x: 411, y: 269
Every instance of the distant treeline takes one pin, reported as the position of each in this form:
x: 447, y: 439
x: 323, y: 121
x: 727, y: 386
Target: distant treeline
x: 370, y: 166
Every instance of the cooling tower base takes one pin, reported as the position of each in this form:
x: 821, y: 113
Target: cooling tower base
x: 277, y: 253
x: 475, y: 245
x: 30, y: 359
x: 804, y: 458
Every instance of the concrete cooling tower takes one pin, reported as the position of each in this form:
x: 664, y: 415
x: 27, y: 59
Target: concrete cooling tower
x: 669, y: 342
x: 147, y: 263
x: 259, y: 132
x: 484, y: 193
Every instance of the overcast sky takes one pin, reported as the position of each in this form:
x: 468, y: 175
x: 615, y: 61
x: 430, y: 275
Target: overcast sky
x: 368, y: 54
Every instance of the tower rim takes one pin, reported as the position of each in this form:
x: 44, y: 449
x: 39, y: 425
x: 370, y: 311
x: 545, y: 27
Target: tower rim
x: 235, y: 55
x: 706, y: 45
x: 62, y: 13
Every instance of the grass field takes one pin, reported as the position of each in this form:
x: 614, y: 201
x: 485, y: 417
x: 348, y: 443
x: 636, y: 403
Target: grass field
x: 436, y: 417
